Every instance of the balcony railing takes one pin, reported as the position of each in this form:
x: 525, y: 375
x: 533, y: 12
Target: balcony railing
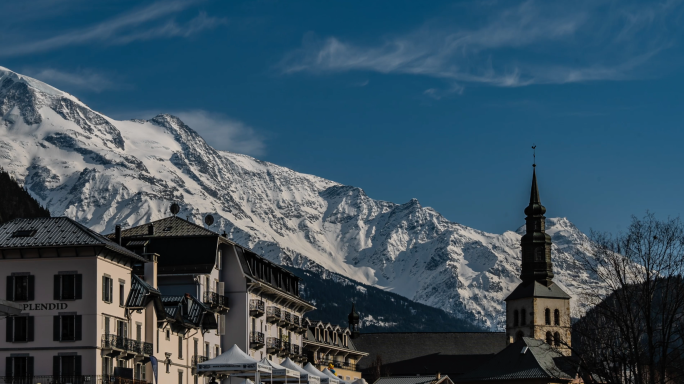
x: 198, y: 359
x: 273, y: 344
x: 120, y: 343
x: 295, y: 349
x: 256, y: 340
x: 338, y: 364
x: 295, y: 321
x: 85, y: 379
x: 287, y: 348
x: 256, y: 307
x: 288, y: 317
x: 215, y: 300
x: 273, y: 314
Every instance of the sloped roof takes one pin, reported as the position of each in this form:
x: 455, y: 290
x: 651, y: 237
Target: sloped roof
x: 172, y: 226
x: 310, y: 337
x: 410, y: 350
x: 536, y: 289
x: 193, y: 317
x: 140, y: 293
x: 56, y: 232
x: 537, y: 361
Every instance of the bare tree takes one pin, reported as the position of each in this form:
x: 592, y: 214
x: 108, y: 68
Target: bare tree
x: 634, y: 332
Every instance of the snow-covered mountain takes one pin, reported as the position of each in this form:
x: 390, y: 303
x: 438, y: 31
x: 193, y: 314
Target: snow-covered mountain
x: 104, y: 172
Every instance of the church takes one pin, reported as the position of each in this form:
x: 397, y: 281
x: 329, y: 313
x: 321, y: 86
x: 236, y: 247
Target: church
x: 534, y: 349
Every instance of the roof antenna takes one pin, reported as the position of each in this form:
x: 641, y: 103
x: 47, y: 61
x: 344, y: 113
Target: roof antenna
x: 534, y: 155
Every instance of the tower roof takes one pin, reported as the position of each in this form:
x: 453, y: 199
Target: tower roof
x: 536, y: 244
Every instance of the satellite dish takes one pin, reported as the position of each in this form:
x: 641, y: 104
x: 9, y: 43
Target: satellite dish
x: 175, y: 208
x: 209, y: 220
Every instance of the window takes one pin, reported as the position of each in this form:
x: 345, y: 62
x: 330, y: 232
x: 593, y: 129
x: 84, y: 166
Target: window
x: 556, y: 317
x: 549, y: 338
x: 66, y: 365
x: 519, y: 335
x: 19, y: 365
x: 122, y: 328
x: 157, y: 340
x: 68, y: 286
x: 556, y: 339
x: 168, y: 335
x: 523, y: 317
x: 122, y: 289
x: 180, y: 347
x: 107, y: 366
x: 180, y: 377
x: 515, y: 318
x: 21, y: 287
x: 107, y: 289
x: 107, y: 325
x: 138, y: 331
x: 67, y: 327
x: 20, y: 328
x: 168, y: 366
x: 547, y: 316
x: 217, y: 351
x: 207, y: 350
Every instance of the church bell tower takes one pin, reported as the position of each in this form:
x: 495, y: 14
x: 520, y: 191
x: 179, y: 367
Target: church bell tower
x: 538, y: 308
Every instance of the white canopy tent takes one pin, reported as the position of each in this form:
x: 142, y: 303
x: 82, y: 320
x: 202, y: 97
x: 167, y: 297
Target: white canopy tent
x: 233, y: 361
x: 325, y: 379
x: 360, y: 381
x: 305, y: 376
x: 278, y: 372
x: 328, y: 373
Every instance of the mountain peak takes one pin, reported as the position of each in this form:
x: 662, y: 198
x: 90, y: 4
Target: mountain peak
x: 8, y: 76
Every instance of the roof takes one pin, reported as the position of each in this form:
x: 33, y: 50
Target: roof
x: 310, y: 337
x: 536, y: 289
x: 408, y: 352
x: 172, y: 226
x: 56, y: 232
x: 410, y: 380
x: 525, y: 359
x: 192, y: 317
x: 140, y: 293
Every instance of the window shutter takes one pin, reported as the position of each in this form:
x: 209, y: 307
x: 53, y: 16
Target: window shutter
x: 222, y: 325
x: 10, y: 288
x: 10, y: 328
x: 55, y: 366
x: 104, y: 288
x: 77, y: 365
x: 78, y: 324
x: 79, y: 286
x: 30, y: 328
x: 110, y: 286
x: 8, y: 366
x: 29, y: 366
x: 55, y: 328
x: 57, y: 293
x: 31, y: 287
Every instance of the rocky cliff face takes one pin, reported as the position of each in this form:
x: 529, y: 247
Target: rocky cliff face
x: 104, y: 172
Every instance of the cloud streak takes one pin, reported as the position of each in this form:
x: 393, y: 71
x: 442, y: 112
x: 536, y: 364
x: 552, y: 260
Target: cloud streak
x: 83, y: 79
x: 529, y: 43
x: 124, y: 29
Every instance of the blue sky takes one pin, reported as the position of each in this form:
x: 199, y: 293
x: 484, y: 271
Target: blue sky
x: 434, y: 100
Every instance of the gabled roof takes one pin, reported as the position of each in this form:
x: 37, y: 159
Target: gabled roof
x: 525, y: 359
x: 141, y: 293
x: 194, y: 317
x: 536, y: 289
x: 56, y: 232
x: 172, y: 226
x: 310, y: 337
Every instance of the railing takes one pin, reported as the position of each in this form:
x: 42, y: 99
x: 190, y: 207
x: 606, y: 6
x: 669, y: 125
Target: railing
x: 273, y: 314
x: 274, y: 343
x: 288, y: 317
x: 216, y: 300
x: 256, y: 307
x: 295, y: 321
x: 85, y: 379
x: 287, y: 347
x: 338, y: 364
x: 256, y: 338
x: 198, y: 359
x: 295, y: 349
x: 126, y: 344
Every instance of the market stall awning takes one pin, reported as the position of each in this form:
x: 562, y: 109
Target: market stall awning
x: 331, y: 375
x: 305, y: 376
x: 233, y: 361
x: 324, y: 378
x: 277, y: 371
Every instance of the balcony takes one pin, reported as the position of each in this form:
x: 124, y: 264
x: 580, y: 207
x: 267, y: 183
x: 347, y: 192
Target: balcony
x: 198, y: 359
x: 257, y: 308
x: 296, y: 324
x: 337, y: 364
x: 216, y: 301
x: 125, y: 348
x: 287, y: 319
x: 113, y: 345
x: 273, y: 315
x: 273, y: 345
x: 287, y: 349
x: 256, y: 340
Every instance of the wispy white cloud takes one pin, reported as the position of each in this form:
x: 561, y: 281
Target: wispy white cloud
x: 84, y: 79
x: 151, y: 22
x: 528, y: 43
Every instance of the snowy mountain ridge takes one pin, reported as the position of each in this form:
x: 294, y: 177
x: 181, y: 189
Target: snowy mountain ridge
x: 104, y: 172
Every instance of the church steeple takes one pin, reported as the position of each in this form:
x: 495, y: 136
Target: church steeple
x: 536, y: 244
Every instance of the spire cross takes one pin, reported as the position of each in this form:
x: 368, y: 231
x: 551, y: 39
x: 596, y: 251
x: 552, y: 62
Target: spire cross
x: 534, y: 155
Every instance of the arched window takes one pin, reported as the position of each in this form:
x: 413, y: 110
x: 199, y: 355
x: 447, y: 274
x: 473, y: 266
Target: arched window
x: 556, y: 317
x: 547, y: 316
x: 519, y: 335
x: 515, y: 318
x: 556, y: 339
x: 523, y: 317
x: 549, y: 338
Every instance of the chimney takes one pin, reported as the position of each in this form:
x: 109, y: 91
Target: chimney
x: 439, y: 375
x: 150, y: 229
x: 117, y: 234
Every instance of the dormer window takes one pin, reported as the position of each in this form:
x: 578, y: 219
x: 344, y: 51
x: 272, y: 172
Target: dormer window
x: 167, y: 229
